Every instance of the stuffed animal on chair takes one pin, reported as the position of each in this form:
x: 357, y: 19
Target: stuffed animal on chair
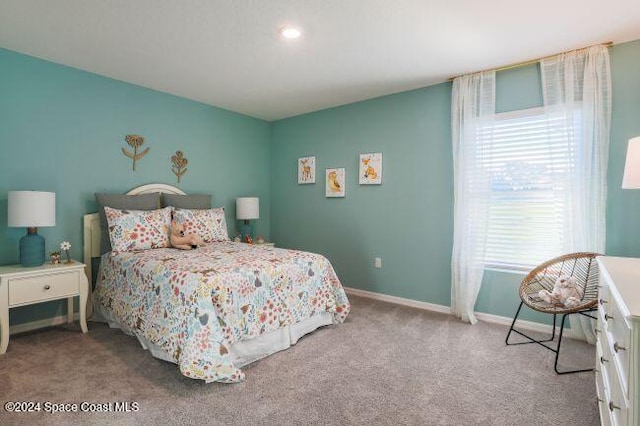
x: 566, y: 292
x: 180, y: 240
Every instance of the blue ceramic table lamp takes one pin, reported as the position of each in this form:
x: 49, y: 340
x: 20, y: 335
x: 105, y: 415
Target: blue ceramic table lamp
x: 247, y: 208
x: 30, y: 209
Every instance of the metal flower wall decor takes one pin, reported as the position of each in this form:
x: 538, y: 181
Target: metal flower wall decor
x: 179, y: 162
x: 135, y: 142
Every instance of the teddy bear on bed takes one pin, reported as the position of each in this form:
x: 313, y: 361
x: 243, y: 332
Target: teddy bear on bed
x: 566, y: 292
x: 180, y: 240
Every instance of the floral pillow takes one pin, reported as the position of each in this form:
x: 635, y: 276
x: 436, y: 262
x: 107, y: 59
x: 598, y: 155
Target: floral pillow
x: 209, y: 224
x: 131, y: 230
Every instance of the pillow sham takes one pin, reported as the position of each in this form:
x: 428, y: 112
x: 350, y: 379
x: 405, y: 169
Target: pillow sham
x: 191, y: 201
x: 120, y: 201
x: 131, y: 230
x: 209, y: 224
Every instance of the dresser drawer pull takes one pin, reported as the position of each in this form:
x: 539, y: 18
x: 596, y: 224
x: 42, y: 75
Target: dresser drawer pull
x: 47, y: 287
x: 613, y: 406
x: 617, y: 347
x: 597, y: 330
x: 602, y: 301
x: 608, y: 317
x: 603, y: 360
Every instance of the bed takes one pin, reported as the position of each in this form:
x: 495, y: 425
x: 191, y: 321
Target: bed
x: 214, y: 309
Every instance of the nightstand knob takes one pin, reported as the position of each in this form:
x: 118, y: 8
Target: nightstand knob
x: 602, y: 301
x: 613, y: 406
x: 47, y: 287
x: 608, y: 317
x: 603, y: 360
x: 617, y: 347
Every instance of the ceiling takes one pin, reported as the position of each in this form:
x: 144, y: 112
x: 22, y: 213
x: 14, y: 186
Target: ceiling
x: 228, y: 53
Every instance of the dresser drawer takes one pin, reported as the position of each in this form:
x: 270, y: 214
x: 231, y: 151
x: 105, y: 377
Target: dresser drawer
x: 605, y: 362
x: 619, y: 337
x: 602, y: 328
x: 618, y: 377
x: 613, y: 404
x: 42, y: 287
x: 604, y: 298
x: 603, y: 395
x: 617, y: 404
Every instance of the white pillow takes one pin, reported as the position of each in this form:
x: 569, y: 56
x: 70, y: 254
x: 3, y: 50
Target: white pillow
x: 209, y: 224
x: 131, y: 230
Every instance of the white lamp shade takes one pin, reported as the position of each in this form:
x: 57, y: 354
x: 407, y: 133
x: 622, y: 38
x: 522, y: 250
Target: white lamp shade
x: 247, y: 208
x: 631, y: 178
x: 28, y: 209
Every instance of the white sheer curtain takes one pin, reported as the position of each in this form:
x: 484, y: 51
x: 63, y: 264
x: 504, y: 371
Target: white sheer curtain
x: 577, y: 85
x: 472, y: 113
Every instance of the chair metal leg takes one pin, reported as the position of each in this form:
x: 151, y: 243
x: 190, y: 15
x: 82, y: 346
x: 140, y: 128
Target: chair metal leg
x: 531, y: 340
x: 557, y: 351
x: 553, y: 334
x: 506, y: 341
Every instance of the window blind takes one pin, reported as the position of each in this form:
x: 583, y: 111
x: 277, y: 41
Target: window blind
x: 529, y: 158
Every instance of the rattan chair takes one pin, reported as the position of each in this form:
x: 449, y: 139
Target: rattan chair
x: 584, y: 268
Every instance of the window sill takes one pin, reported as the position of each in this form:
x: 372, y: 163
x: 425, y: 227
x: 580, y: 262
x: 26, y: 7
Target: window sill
x: 518, y: 270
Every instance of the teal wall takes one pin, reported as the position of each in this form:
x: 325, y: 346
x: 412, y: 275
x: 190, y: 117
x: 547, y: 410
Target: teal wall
x: 623, y: 206
x: 407, y: 221
x: 62, y: 130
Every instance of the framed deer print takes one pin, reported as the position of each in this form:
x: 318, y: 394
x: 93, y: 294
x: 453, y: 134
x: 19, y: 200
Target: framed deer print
x: 370, y: 169
x: 306, y: 170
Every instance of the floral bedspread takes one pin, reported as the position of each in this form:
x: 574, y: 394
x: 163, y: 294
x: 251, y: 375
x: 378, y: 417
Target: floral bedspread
x: 195, y: 304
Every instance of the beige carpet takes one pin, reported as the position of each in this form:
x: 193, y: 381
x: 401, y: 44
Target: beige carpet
x: 386, y: 365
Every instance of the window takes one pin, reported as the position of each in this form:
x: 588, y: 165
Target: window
x: 533, y: 184
x: 529, y: 158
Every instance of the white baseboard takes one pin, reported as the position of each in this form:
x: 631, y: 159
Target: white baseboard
x: 34, y: 325
x: 399, y: 300
x: 495, y: 319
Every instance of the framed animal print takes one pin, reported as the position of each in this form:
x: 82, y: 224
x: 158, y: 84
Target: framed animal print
x: 335, y: 182
x: 370, y: 170
x: 306, y: 170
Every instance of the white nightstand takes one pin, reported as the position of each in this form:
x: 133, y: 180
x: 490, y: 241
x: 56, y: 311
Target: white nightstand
x: 21, y: 286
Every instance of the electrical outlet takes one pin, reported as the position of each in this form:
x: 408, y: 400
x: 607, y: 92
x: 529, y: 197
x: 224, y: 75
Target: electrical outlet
x: 377, y: 262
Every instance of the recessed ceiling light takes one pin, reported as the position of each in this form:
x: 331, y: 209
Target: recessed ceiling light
x: 290, y: 32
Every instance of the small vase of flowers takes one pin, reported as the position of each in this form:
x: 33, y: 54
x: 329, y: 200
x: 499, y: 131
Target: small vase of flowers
x: 65, y: 246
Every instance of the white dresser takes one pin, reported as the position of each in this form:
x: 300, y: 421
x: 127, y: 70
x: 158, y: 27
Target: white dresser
x: 618, y: 348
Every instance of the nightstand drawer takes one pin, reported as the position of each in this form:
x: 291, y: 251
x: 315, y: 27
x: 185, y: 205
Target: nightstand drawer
x: 42, y: 287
